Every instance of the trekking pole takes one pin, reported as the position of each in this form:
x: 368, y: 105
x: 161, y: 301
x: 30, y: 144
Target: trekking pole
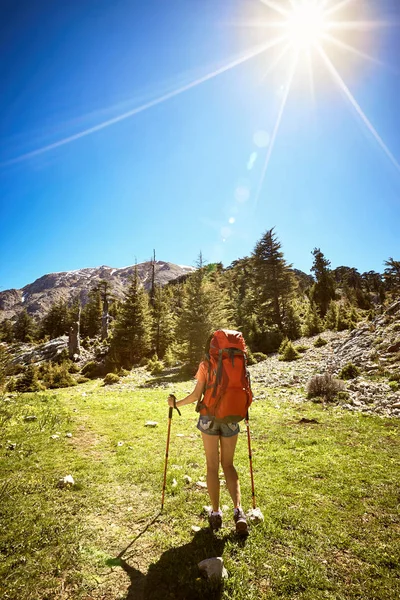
x: 253, y: 494
x: 171, y: 408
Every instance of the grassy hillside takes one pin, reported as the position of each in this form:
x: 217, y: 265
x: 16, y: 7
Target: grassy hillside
x: 328, y: 489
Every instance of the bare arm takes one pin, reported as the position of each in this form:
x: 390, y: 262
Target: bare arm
x: 192, y: 397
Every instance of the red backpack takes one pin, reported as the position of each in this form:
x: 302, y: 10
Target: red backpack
x: 227, y: 395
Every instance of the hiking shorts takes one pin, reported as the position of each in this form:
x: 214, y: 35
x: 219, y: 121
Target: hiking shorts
x: 211, y: 427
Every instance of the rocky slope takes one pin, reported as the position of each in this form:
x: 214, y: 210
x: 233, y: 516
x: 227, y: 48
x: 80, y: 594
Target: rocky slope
x: 37, y: 297
x: 374, y: 347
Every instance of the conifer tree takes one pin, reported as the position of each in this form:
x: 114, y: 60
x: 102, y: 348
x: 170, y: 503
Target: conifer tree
x: 57, y: 321
x: 163, y: 322
x: 24, y: 327
x: 274, y: 282
x: 392, y: 275
x: 131, y: 339
x: 323, y: 291
x: 7, y: 331
x: 92, y: 314
x: 203, y: 311
x: 312, y: 321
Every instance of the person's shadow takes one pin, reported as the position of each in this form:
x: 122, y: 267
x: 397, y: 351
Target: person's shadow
x: 176, y: 575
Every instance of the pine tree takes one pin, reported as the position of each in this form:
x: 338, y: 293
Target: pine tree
x: 203, y: 311
x: 163, y: 322
x: 392, y: 275
x: 323, y: 291
x: 312, y: 321
x: 57, y: 321
x: 92, y: 314
x: 331, y: 316
x: 131, y: 340
x: 274, y: 282
x: 7, y: 331
x: 24, y: 327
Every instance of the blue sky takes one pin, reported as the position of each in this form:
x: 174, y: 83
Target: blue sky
x: 185, y: 174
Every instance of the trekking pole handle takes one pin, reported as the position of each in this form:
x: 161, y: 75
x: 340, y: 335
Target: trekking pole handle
x: 173, y: 407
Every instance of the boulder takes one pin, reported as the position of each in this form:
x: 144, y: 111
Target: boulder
x: 213, y: 569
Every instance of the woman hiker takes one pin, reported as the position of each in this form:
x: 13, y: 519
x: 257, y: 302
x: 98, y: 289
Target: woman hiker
x: 219, y: 440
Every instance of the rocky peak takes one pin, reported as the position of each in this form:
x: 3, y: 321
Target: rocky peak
x: 37, y: 297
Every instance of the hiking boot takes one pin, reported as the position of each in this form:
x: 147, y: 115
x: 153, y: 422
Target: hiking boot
x: 241, y: 523
x: 215, y: 520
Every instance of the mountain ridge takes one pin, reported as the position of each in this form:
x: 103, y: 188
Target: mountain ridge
x: 38, y: 296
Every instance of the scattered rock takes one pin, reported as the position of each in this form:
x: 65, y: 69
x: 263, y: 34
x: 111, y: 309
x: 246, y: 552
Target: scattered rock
x: 67, y: 481
x: 30, y: 418
x: 255, y: 516
x: 187, y: 479
x: 68, y: 435
x: 181, y: 435
x: 213, y: 568
x: 11, y: 445
x: 174, y: 483
x: 120, y: 444
x: 196, y: 529
x: 151, y: 424
x: 55, y: 437
x: 201, y: 484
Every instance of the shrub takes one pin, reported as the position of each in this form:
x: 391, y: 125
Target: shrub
x: 58, y: 376
x: 289, y: 353
x: 169, y: 358
x: 349, y: 371
x: 394, y: 385
x: 302, y: 348
x: 143, y: 362
x: 28, y: 382
x: 283, y: 345
x: 394, y: 377
x: 320, y: 341
x: 111, y: 378
x: 82, y: 379
x: 259, y: 356
x: 92, y: 370
x: 250, y: 357
x: 324, y: 386
x: 11, y: 385
x: 123, y: 373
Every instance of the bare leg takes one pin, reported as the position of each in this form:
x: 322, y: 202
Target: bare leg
x: 228, y: 445
x: 211, y: 443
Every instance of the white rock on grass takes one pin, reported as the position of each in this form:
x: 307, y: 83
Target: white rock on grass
x: 196, y: 528
x: 67, y: 481
x: 213, y: 568
x: 68, y: 435
x: 201, y: 484
x: 187, y: 479
x: 55, y: 437
x: 174, y: 483
x: 30, y: 418
x: 151, y: 424
x: 255, y: 515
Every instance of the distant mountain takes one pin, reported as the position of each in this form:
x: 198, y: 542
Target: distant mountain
x: 37, y: 297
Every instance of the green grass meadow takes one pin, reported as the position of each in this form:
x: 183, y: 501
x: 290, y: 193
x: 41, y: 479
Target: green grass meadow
x: 329, y: 491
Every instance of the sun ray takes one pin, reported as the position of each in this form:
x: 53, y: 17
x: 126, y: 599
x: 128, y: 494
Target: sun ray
x: 357, y: 107
x: 276, y: 128
x: 276, y: 7
x: 311, y: 76
x: 276, y: 61
x: 344, y: 46
x: 72, y: 138
x: 358, y: 25
x: 333, y: 9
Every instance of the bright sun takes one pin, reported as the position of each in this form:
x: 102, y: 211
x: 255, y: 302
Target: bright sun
x: 305, y: 25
